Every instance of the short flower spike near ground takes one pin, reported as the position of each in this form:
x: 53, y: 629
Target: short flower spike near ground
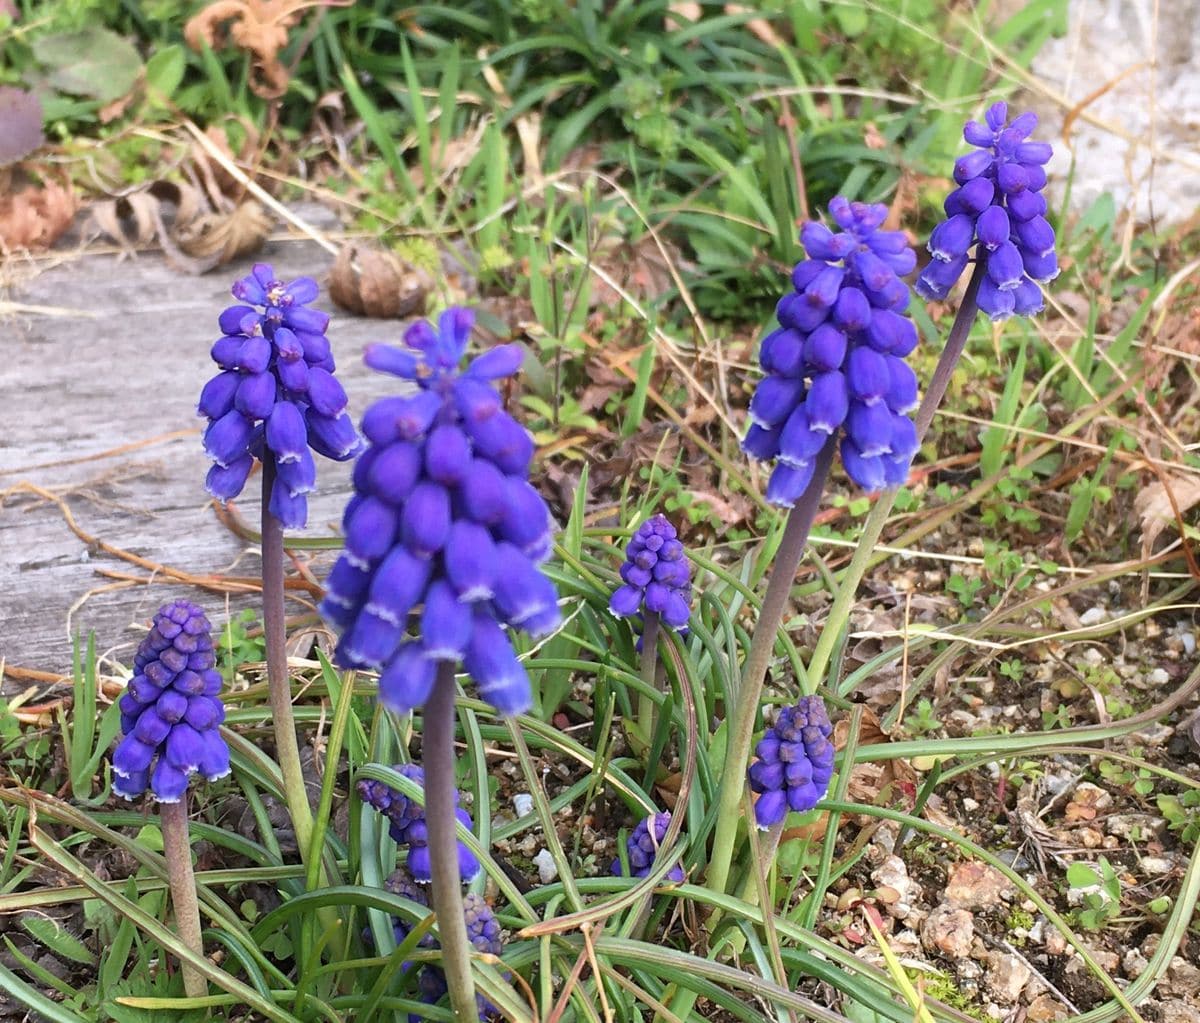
x: 836, y: 364
x: 795, y: 762
x: 443, y: 519
x: 171, y: 710
x: 276, y: 390
x: 642, y: 847
x: 999, y: 210
x: 655, y: 574
x: 407, y: 824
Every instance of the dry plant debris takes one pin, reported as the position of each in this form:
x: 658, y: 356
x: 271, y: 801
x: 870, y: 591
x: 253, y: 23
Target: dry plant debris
x: 34, y: 217
x: 372, y: 281
x: 260, y: 27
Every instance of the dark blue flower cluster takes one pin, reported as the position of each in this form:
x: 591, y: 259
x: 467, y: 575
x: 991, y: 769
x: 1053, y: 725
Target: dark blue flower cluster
x: 483, y: 932
x: 998, y: 208
x: 444, y: 532
x: 276, y: 388
x: 836, y: 364
x: 407, y: 825
x: 795, y: 762
x: 171, y: 709
x: 642, y: 847
x: 656, y: 575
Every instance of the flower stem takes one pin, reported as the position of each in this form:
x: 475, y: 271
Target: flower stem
x: 742, y: 715
x: 649, y: 675
x: 178, y: 851
x: 437, y: 758
x: 839, y: 613
x: 287, y: 748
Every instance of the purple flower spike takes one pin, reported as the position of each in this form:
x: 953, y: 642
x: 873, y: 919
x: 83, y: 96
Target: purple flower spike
x: 1000, y: 212
x: 407, y: 825
x: 795, y: 761
x: 277, y: 386
x: 169, y: 713
x: 656, y: 575
x: 642, y: 848
x: 444, y: 533
x: 843, y: 325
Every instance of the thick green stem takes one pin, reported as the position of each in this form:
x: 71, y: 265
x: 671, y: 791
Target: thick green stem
x: 437, y: 758
x: 839, y: 613
x: 742, y: 715
x: 178, y: 852
x: 287, y: 749
x: 649, y: 675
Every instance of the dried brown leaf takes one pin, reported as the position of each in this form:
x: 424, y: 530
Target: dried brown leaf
x: 1154, y: 504
x: 35, y: 217
x: 199, y: 238
x: 374, y: 282
x: 260, y: 27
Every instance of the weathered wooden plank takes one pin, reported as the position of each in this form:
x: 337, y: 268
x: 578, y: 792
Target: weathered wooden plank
x: 125, y: 369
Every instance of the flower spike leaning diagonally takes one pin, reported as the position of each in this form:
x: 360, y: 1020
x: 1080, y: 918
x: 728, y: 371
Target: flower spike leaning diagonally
x: 407, y: 826
x: 836, y: 363
x: 171, y: 710
x: 276, y: 393
x: 998, y: 208
x: 443, y: 519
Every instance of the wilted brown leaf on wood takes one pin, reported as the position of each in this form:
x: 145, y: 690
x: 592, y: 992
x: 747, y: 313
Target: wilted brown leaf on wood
x: 34, y: 217
x: 201, y: 236
x: 372, y: 281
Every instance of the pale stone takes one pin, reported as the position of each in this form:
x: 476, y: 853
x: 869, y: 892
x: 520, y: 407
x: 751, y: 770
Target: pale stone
x: 975, y: 885
x: 1045, y: 1009
x: 949, y: 931
x: 1006, y: 977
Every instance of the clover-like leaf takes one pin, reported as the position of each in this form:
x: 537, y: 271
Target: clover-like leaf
x: 92, y: 62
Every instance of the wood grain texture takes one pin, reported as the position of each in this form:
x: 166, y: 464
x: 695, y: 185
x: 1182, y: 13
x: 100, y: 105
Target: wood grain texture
x: 123, y: 371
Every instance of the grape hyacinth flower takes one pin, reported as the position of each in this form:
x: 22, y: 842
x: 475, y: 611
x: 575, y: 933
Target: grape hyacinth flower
x: 275, y: 393
x: 656, y: 575
x: 407, y: 825
x: 999, y: 209
x: 795, y: 762
x: 171, y: 709
x: 835, y: 366
x: 484, y: 935
x: 444, y: 533
x: 642, y: 847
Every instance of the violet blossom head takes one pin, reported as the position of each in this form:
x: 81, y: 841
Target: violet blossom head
x: 835, y: 366
x: 999, y: 210
x: 656, y: 575
x: 485, y: 935
x: 171, y: 710
x: 407, y: 825
x: 642, y: 847
x: 483, y: 932
x: 795, y: 762
x: 275, y: 393
x: 444, y: 533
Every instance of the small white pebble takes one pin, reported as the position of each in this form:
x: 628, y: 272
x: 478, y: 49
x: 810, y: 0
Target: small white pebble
x: 1158, y: 677
x: 1093, y: 616
x: 522, y: 804
x: 1188, y: 639
x: 547, y: 869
